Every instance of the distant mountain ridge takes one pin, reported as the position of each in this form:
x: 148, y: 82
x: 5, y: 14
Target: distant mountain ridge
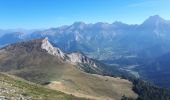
x: 116, y: 37
x: 118, y: 44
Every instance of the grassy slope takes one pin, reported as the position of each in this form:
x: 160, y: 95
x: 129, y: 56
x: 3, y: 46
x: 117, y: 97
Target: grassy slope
x: 12, y: 87
x: 94, y: 86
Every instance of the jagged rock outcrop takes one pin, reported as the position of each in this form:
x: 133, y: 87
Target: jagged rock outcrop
x: 77, y: 57
x: 46, y: 45
x: 74, y: 58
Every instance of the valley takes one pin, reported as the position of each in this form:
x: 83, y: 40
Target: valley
x: 84, y: 50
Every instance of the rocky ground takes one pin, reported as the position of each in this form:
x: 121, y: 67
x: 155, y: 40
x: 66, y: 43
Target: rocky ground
x: 9, y: 91
x: 14, y: 88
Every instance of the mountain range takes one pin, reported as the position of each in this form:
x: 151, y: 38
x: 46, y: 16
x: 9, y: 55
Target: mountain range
x: 134, y: 48
x: 36, y: 69
x: 117, y: 38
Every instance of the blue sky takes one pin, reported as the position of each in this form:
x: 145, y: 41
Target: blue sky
x: 30, y: 14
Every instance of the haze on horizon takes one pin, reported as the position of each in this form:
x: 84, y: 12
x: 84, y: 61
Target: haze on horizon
x: 32, y: 14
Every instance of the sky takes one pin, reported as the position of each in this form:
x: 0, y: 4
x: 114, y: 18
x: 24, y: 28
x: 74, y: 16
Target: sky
x: 33, y: 14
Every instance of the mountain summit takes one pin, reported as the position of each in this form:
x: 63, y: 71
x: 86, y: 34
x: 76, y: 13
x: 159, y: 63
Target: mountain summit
x: 43, y: 45
x: 46, y: 45
x: 156, y: 19
x: 74, y: 58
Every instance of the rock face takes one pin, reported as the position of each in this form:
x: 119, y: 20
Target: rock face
x: 80, y: 58
x: 46, y: 45
x: 74, y: 57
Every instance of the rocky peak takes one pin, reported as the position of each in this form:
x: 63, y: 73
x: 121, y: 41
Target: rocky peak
x: 77, y: 57
x: 74, y: 58
x: 46, y: 45
x: 78, y: 25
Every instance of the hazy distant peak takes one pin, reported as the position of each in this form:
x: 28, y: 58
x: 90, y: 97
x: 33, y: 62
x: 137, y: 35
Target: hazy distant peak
x: 101, y: 24
x: 154, y: 19
x: 118, y: 22
x: 79, y: 23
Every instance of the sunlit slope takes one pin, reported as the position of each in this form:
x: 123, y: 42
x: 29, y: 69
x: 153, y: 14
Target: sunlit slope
x: 14, y: 88
x: 94, y: 86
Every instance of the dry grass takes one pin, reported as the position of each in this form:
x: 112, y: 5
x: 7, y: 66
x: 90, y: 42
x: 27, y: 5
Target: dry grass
x: 14, y: 88
x: 93, y: 86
